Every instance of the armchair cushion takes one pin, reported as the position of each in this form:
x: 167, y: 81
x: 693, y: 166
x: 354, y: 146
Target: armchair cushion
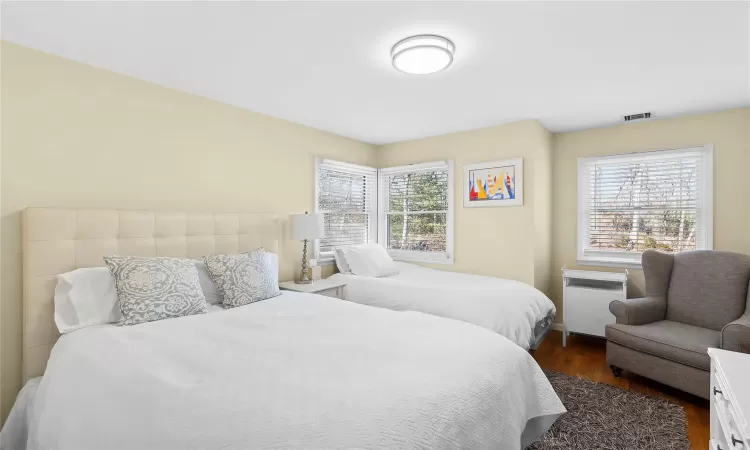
x: 678, y: 342
x: 735, y: 336
x: 638, y: 311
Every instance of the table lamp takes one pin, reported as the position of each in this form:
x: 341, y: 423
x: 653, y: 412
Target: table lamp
x: 305, y: 227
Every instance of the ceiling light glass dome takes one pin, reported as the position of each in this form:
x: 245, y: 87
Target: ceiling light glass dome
x: 423, y: 54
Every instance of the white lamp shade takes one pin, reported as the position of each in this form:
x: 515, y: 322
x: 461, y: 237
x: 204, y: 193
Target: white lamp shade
x: 306, y: 226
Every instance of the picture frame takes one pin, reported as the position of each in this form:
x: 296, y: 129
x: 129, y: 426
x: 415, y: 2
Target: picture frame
x: 494, y: 183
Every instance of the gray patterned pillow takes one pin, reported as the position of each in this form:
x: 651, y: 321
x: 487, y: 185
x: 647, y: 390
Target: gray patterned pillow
x: 245, y: 278
x: 151, y: 288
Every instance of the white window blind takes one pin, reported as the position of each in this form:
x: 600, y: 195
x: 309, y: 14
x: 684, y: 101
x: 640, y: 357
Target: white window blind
x: 630, y: 203
x: 416, y: 211
x: 346, y: 196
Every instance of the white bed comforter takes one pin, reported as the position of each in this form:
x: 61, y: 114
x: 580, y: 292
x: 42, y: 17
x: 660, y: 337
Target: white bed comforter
x: 295, y: 371
x: 507, y: 307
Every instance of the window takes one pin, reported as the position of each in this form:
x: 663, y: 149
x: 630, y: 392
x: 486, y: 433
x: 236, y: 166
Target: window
x: 346, y: 196
x: 408, y: 210
x: 629, y: 203
x: 415, y: 214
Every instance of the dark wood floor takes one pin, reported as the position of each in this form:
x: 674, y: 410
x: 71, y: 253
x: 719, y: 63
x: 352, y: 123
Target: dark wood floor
x: 586, y: 357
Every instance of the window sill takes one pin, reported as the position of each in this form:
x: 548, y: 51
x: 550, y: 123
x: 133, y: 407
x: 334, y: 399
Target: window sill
x: 418, y: 257
x: 606, y: 262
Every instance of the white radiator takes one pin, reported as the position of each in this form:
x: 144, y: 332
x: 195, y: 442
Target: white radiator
x: 586, y: 298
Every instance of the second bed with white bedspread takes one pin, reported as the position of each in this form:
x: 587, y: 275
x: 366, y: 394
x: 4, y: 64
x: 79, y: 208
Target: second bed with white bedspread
x: 507, y: 307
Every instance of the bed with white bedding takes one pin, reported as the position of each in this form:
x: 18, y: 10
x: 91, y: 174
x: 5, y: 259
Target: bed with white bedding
x: 15, y: 432
x: 293, y: 371
x: 513, y: 309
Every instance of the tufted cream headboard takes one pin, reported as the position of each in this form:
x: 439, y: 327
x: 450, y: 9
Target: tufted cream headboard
x: 56, y: 241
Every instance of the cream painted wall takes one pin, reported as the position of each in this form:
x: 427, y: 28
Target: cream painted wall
x: 510, y: 242
x: 728, y: 131
x: 543, y: 212
x: 75, y: 136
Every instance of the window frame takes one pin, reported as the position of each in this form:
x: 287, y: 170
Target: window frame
x: 415, y: 255
x: 633, y: 259
x: 326, y: 258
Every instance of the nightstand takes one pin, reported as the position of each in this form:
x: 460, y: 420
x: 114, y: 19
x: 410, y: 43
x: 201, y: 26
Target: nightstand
x: 329, y: 288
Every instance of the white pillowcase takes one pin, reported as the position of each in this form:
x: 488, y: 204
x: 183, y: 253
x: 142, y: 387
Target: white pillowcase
x: 85, y: 297
x: 210, y: 290
x: 340, y: 258
x: 370, y: 260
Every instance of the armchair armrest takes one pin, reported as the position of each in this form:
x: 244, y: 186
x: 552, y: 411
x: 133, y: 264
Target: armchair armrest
x: 639, y: 311
x: 735, y: 336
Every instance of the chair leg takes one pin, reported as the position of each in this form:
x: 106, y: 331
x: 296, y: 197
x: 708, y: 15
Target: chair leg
x: 616, y: 371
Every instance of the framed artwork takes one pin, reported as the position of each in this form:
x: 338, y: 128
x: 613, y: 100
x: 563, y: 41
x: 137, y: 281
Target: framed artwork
x: 496, y: 183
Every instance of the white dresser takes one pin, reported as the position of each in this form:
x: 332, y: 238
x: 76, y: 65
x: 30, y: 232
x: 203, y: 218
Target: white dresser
x: 586, y: 298
x: 730, y: 400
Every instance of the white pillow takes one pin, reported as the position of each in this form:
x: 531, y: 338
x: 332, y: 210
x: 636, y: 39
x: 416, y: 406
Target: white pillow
x: 370, y: 260
x: 85, y: 297
x: 210, y: 290
x: 340, y: 257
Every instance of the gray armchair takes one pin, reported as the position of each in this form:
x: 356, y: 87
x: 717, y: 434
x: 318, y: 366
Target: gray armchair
x: 694, y: 300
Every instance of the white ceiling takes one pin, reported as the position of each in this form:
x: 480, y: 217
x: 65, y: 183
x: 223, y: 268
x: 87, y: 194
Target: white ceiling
x: 326, y: 65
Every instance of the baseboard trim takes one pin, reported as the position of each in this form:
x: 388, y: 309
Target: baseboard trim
x: 557, y: 327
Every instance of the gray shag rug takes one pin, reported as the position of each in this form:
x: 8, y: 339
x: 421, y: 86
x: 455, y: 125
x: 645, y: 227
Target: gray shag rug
x: 601, y: 416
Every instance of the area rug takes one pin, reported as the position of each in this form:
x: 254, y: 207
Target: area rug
x: 606, y: 417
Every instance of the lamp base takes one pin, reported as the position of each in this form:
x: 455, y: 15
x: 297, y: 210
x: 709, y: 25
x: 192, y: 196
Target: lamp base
x: 303, y: 279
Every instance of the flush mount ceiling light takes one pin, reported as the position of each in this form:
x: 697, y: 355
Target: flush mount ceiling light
x: 422, y: 54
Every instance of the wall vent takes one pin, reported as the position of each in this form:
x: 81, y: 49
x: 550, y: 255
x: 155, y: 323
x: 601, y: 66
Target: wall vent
x: 639, y: 116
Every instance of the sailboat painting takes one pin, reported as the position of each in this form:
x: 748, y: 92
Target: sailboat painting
x: 497, y: 183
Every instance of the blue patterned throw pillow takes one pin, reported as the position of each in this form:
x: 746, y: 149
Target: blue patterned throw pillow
x: 245, y: 278
x: 153, y: 288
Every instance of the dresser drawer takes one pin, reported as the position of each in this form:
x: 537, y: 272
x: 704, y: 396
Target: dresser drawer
x: 718, y: 444
x: 726, y: 432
